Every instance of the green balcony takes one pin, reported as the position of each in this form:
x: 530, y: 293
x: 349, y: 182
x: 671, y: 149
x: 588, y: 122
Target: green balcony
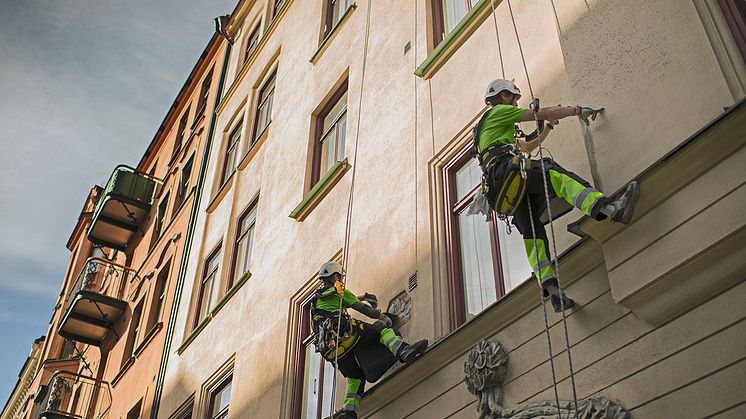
x: 123, y: 205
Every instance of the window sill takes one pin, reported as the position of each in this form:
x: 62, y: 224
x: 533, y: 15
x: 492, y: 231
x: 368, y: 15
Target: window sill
x: 453, y: 41
x: 222, y: 192
x: 148, y: 338
x: 335, y: 29
x: 230, y: 293
x: 201, y: 326
x: 320, y: 190
x: 122, y: 370
x: 254, y: 148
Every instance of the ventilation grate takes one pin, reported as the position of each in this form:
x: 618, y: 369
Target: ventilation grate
x: 412, y: 283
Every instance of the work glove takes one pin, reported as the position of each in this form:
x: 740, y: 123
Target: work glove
x: 387, y: 321
x: 370, y: 299
x: 588, y: 114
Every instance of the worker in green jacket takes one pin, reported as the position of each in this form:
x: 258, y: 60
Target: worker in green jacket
x: 361, y: 351
x: 497, y: 145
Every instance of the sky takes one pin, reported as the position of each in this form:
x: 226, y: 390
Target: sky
x: 84, y: 85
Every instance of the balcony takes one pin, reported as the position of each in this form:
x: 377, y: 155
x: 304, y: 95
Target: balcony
x: 94, y: 304
x: 69, y: 395
x: 122, y: 206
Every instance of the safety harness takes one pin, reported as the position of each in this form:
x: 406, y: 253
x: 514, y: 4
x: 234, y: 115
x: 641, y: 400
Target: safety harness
x: 336, y: 333
x: 505, y: 197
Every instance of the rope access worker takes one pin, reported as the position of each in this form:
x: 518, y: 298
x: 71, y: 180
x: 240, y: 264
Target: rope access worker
x: 507, y: 171
x: 363, y: 351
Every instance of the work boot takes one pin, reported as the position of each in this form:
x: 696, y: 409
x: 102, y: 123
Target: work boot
x: 410, y: 353
x: 558, y: 298
x: 625, y: 204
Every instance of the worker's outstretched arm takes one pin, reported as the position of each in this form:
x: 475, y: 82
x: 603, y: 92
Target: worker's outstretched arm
x: 553, y: 112
x: 367, y: 310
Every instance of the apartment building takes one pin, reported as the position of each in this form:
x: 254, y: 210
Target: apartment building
x: 341, y: 130
x: 378, y: 97
x: 19, y: 396
x: 108, y: 329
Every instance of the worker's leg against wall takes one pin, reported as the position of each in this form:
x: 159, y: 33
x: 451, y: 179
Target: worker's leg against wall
x: 576, y: 191
x: 353, y: 394
x: 536, y: 247
x: 391, y: 340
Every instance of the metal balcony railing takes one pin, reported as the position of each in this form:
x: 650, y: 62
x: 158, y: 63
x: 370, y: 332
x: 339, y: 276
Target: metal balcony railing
x: 69, y: 395
x: 122, y: 206
x: 95, y: 302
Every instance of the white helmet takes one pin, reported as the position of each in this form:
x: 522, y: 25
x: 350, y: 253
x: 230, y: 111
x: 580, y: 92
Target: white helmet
x: 501, y: 85
x: 330, y: 268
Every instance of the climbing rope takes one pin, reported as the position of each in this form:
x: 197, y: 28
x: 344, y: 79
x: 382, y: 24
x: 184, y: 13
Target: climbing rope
x: 539, y: 127
x: 348, y: 222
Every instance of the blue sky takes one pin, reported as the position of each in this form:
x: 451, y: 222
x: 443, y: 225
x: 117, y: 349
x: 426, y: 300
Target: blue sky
x: 84, y: 85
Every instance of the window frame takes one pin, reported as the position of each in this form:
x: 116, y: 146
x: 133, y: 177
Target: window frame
x: 133, y: 332
x: 303, y: 340
x: 260, y: 103
x: 277, y: 7
x: 204, y: 95
x: 160, y: 218
x: 184, y: 183
x: 735, y: 17
x: 241, y: 235
x: 231, y: 151
x: 214, y: 254
x: 320, y: 134
x: 214, y: 390
x: 254, y: 35
x: 180, y: 133
x: 329, y: 25
x: 452, y: 208
x: 439, y: 19
x: 159, y: 296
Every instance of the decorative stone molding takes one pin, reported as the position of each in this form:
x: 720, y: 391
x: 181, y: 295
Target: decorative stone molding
x: 484, y: 374
x: 401, y: 306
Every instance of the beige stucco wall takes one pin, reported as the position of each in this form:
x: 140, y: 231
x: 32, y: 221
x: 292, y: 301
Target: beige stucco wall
x: 643, y: 61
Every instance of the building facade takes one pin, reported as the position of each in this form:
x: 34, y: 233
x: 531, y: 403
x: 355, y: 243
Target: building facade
x: 108, y: 329
x: 20, y: 396
x: 342, y: 131
x: 321, y: 100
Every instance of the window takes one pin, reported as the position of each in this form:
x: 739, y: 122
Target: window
x: 134, y: 413
x: 331, y: 127
x: 230, y: 160
x: 314, y: 374
x: 160, y: 219
x: 184, y: 184
x: 159, y: 296
x: 129, y: 348
x: 277, y: 8
x: 220, y: 396
x: 180, y: 133
x: 244, y: 243
x: 447, y: 14
x: 484, y: 261
x: 208, y: 289
x: 264, y: 108
x: 204, y: 93
x: 67, y: 350
x: 735, y: 14
x: 335, y: 9
x: 252, y: 41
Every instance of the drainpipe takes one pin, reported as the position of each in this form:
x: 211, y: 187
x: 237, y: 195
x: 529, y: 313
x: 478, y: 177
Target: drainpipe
x: 188, y: 241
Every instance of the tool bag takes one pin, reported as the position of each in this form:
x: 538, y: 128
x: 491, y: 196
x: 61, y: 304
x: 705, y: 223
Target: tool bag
x: 505, y: 175
x: 326, y: 325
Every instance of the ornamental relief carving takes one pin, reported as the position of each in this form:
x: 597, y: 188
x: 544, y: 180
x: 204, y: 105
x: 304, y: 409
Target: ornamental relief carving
x: 484, y: 374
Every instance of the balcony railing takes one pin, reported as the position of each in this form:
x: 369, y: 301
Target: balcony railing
x: 70, y: 396
x: 123, y: 205
x: 94, y: 304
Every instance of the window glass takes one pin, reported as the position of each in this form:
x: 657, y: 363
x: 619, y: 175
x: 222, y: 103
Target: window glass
x: 334, y: 127
x: 467, y: 178
x: 264, y: 107
x: 244, y: 243
x: 252, y: 41
x: 209, y: 287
